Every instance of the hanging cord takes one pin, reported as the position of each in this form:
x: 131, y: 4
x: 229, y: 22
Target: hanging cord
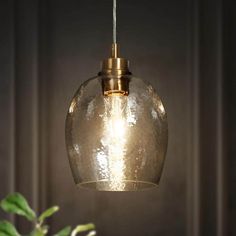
x: 114, y: 21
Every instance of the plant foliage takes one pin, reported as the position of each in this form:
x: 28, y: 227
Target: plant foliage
x: 15, y: 203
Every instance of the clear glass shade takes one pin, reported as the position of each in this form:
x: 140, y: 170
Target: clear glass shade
x: 116, y: 143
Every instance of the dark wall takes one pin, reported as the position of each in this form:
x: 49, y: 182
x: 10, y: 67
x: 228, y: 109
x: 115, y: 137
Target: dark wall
x: 184, y: 48
x: 229, y: 85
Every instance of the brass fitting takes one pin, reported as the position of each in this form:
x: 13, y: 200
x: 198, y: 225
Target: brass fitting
x: 115, y: 71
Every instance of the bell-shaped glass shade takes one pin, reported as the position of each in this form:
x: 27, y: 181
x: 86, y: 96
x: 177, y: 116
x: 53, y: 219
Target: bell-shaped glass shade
x: 116, y: 142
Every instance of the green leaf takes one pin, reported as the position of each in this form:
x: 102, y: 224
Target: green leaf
x: 16, y: 203
x: 44, y: 229
x: 82, y: 228
x: 7, y: 229
x: 48, y: 213
x: 91, y: 233
x: 37, y: 232
x: 40, y: 230
x: 64, y: 232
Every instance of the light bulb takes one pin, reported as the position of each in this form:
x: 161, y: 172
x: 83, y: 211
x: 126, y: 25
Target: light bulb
x: 116, y: 131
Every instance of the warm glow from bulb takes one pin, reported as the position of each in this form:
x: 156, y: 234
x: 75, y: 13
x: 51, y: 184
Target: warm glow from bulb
x: 115, y: 139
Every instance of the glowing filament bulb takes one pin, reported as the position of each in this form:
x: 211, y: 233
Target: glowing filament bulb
x: 115, y: 136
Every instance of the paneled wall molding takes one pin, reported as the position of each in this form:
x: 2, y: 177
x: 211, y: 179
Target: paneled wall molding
x: 212, y: 158
x: 207, y: 183
x: 26, y: 43
x: 7, y: 101
x: 193, y: 216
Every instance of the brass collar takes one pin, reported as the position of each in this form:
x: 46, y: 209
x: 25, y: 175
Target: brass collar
x: 115, y: 65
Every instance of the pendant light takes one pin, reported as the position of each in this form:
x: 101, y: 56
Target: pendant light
x: 116, y: 129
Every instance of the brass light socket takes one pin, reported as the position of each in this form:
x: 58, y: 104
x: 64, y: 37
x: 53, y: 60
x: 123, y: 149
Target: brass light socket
x: 115, y: 86
x: 115, y: 71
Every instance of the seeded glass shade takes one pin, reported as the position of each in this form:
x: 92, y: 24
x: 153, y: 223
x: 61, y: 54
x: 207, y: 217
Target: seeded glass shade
x: 116, y: 142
